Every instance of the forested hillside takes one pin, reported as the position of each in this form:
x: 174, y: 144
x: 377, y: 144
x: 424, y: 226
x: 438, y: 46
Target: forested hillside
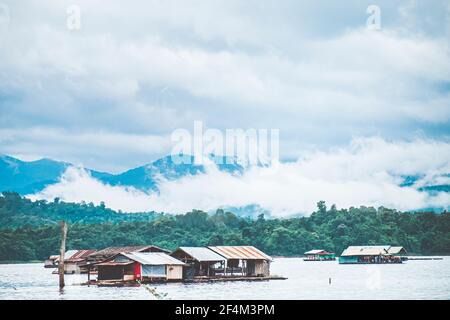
x: 17, y: 211
x: 30, y: 231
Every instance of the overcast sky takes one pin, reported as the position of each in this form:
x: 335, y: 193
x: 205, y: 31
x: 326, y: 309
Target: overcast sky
x: 109, y: 95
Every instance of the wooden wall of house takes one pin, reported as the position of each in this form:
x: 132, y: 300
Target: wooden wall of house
x: 262, y: 268
x: 71, y: 268
x: 174, y: 272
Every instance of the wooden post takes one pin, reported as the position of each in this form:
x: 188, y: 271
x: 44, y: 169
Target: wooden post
x: 62, y: 252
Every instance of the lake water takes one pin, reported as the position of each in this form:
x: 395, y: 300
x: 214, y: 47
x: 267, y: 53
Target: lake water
x: 307, y: 280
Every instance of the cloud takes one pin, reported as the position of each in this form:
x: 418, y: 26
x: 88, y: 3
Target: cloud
x: 77, y: 185
x: 54, y: 142
x: 309, y: 69
x: 366, y: 172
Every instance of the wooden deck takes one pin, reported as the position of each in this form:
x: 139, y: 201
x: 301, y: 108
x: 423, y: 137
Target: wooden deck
x: 233, y: 278
x: 119, y: 283
x: 425, y: 258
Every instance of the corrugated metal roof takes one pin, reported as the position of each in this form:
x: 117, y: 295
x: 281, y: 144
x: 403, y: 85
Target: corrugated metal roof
x: 79, y: 255
x: 153, y: 258
x: 365, y: 251
x: 396, y: 250
x: 69, y: 253
x: 317, y: 251
x: 202, y: 254
x: 110, y: 251
x: 114, y: 263
x: 241, y: 252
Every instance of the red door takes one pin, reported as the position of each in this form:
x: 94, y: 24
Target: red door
x: 137, y: 271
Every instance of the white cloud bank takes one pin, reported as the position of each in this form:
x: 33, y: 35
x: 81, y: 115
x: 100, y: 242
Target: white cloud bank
x: 139, y: 71
x: 366, y: 172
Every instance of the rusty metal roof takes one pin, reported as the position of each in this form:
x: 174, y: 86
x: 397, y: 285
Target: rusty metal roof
x: 79, y: 255
x: 240, y: 252
x: 111, y: 251
x: 69, y: 253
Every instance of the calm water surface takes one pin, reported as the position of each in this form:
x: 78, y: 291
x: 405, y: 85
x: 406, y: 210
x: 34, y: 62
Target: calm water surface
x: 307, y: 280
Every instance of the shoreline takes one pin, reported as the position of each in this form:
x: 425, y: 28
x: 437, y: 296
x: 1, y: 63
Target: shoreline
x: 21, y: 262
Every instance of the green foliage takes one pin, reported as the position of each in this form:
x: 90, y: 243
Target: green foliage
x: 16, y: 211
x: 30, y: 231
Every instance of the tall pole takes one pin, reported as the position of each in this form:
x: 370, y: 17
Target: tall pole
x: 62, y: 252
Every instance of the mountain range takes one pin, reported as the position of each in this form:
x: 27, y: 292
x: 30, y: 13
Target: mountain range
x: 28, y: 177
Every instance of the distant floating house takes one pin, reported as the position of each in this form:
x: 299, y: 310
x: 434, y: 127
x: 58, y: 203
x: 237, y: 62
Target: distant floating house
x: 143, y: 266
x: 243, y: 260
x: 200, y: 261
x: 371, y: 254
x: 109, y: 252
x: 319, y: 255
x: 399, y: 251
x: 75, y: 260
x: 52, y: 261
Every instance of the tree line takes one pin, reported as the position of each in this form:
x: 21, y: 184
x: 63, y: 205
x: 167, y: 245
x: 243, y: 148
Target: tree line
x: 29, y: 229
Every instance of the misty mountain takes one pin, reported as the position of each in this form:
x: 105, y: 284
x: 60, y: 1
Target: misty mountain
x: 146, y: 177
x: 30, y: 177
x: 26, y: 177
